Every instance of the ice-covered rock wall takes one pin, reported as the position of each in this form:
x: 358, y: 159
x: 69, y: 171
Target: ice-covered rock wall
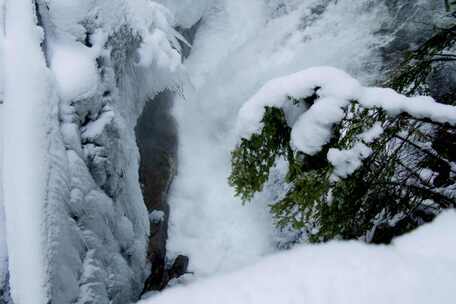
x: 78, y: 76
x: 122, y: 52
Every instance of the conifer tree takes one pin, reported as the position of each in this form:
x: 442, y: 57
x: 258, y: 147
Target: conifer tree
x: 406, y: 180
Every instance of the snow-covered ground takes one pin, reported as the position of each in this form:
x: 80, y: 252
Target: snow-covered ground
x: 239, y: 46
x: 416, y: 268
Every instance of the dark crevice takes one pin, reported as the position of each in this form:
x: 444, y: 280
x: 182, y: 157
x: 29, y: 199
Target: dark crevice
x: 156, y: 136
x: 157, y: 141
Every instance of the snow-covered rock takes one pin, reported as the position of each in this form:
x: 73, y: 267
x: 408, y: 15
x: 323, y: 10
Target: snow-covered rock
x: 77, y: 77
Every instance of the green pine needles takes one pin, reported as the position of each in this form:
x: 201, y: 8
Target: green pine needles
x: 254, y: 158
x: 405, y: 181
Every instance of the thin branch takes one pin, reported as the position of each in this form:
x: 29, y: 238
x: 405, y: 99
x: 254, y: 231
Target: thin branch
x: 429, y: 153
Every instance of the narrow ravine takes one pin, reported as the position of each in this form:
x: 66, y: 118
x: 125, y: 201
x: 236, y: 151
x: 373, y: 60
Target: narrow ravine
x: 157, y: 142
x: 157, y: 139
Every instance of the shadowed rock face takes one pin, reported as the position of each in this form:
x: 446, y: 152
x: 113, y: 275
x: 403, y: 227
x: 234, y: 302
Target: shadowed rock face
x: 157, y: 142
x: 156, y: 136
x: 5, y: 296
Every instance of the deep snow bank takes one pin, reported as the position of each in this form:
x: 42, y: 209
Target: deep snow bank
x: 416, y: 268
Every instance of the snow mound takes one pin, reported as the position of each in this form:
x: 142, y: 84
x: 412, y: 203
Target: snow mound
x: 416, y: 268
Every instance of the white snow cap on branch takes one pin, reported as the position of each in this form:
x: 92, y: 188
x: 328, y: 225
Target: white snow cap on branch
x: 335, y: 89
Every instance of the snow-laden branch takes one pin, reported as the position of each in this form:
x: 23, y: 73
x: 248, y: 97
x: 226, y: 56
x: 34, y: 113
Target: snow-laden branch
x: 335, y: 90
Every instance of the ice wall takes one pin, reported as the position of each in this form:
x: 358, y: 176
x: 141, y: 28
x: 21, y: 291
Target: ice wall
x: 77, y: 77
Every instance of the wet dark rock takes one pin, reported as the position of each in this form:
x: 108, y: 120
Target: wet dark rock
x: 156, y: 136
x: 161, y: 275
x: 5, y: 296
x: 384, y: 233
x: 179, y: 267
x: 189, y: 35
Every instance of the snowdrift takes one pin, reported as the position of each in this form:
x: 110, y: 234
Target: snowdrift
x: 416, y: 268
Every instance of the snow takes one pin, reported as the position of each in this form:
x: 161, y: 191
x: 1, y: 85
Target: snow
x: 154, y: 50
x: 313, y: 129
x: 74, y: 67
x: 416, y: 268
x: 419, y: 107
x: 332, y: 82
x: 27, y: 92
x: 345, y: 162
x: 373, y: 133
x: 156, y: 216
x: 335, y: 90
x: 96, y: 127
